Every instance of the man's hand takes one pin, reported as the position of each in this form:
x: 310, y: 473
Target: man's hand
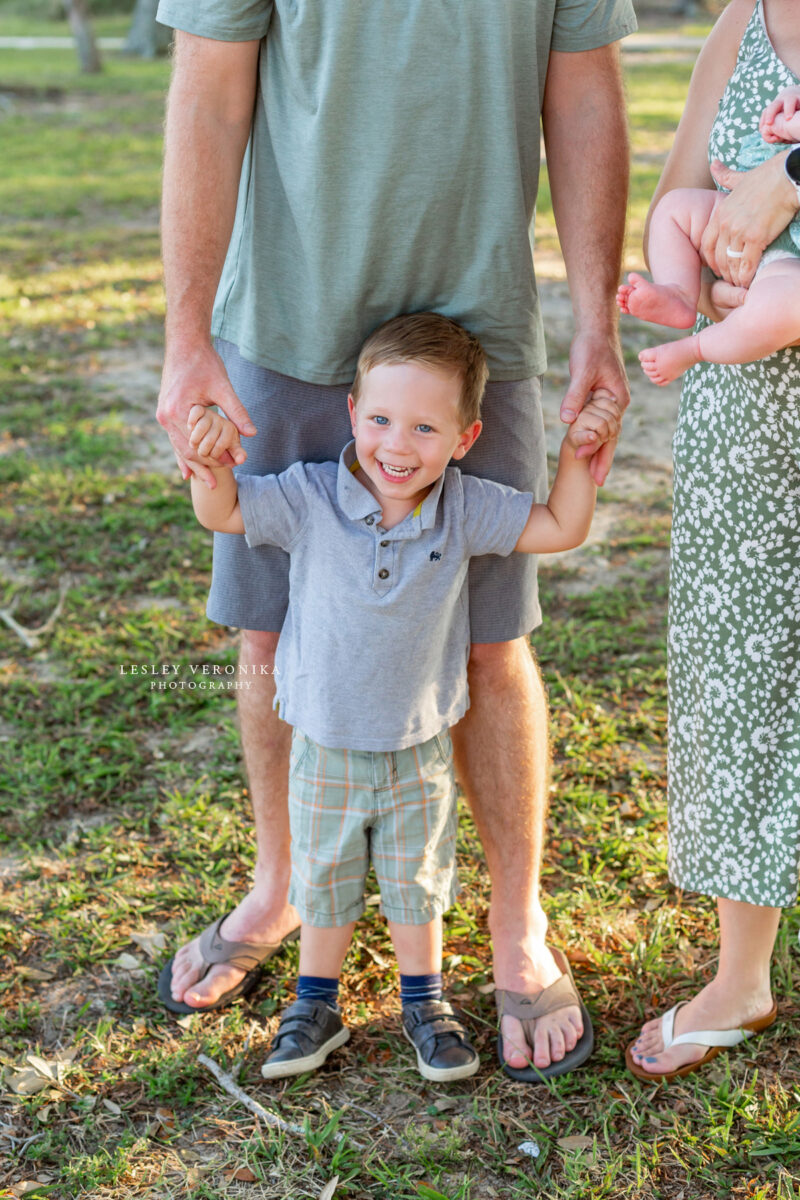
x: 198, y: 377
x: 761, y: 204
x: 595, y: 367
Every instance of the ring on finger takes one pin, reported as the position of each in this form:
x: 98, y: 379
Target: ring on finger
x: 734, y: 253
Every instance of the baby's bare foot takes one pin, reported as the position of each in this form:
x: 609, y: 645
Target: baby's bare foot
x: 663, y: 304
x: 662, y: 364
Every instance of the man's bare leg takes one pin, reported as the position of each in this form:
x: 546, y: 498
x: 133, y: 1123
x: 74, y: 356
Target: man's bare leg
x: 502, y: 760
x: 263, y: 915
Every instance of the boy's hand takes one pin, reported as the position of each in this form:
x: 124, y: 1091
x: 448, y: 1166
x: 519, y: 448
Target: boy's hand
x: 598, y: 422
x: 211, y: 434
x: 780, y: 121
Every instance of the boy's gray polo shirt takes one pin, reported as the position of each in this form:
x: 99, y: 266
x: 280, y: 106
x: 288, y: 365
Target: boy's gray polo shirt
x: 373, y: 651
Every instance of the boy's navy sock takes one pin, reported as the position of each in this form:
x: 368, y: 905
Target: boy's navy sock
x: 420, y: 987
x: 315, y: 987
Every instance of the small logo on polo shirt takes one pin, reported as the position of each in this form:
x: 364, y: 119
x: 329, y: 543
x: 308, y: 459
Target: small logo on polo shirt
x: 435, y: 556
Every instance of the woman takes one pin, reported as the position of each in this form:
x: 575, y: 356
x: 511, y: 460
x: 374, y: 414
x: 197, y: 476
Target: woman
x: 734, y: 639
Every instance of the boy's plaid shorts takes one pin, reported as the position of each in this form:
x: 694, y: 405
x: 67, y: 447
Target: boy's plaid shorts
x: 396, y: 809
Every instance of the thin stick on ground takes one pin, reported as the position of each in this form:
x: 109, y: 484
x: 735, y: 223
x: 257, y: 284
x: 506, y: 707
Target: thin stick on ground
x: 228, y: 1085
x: 30, y: 637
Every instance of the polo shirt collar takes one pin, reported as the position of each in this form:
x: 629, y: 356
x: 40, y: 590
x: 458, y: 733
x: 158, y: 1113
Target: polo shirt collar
x: 357, y: 501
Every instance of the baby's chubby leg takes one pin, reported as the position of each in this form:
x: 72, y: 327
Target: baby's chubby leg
x: 676, y: 228
x: 768, y: 320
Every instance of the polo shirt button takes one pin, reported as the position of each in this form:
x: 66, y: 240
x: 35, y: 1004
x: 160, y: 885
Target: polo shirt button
x: 383, y: 573
x: 370, y: 520
x: 384, y: 543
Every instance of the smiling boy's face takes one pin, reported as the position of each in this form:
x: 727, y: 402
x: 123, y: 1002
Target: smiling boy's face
x: 407, y: 428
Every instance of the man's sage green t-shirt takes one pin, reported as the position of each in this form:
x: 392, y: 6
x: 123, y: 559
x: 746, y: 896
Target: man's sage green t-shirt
x: 393, y: 167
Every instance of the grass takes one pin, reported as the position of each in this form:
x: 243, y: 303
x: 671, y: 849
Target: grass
x: 125, y: 808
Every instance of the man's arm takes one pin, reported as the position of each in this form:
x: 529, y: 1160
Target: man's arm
x: 586, y: 138
x: 209, y: 115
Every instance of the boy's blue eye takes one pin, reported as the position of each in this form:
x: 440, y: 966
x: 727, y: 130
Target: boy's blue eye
x: 425, y: 428
x: 381, y: 420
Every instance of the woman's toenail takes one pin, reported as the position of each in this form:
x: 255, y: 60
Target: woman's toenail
x: 650, y: 1060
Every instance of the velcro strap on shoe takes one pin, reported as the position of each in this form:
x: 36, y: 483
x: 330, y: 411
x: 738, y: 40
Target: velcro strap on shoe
x: 431, y: 1021
x: 307, y: 1023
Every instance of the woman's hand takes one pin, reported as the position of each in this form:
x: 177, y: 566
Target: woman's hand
x: 718, y: 298
x: 761, y: 204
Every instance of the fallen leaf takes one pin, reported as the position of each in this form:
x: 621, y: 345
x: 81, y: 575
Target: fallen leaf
x: 127, y: 962
x: 445, y: 1104
x: 241, y: 1175
x: 112, y: 1107
x: 652, y: 904
x: 377, y: 958
x: 628, y: 810
x: 151, y: 941
x: 27, y: 1082
x: 373, y: 900
x: 576, y: 1141
x: 329, y: 1189
x: 42, y: 1067
x: 43, y: 1113
x: 486, y: 989
x: 576, y: 955
x: 35, y: 973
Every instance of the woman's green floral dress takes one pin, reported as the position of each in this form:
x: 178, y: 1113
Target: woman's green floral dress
x: 734, y: 635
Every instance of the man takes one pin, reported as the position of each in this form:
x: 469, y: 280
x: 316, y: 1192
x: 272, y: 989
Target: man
x: 328, y: 166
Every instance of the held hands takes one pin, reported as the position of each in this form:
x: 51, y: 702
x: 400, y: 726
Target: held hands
x: 780, y: 120
x: 595, y: 368
x: 194, y: 374
x: 214, y: 439
x: 598, y: 422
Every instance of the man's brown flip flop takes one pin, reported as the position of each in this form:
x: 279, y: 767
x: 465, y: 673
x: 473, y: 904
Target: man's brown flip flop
x: 247, y: 956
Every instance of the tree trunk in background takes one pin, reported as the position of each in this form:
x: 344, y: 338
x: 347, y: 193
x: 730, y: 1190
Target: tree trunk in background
x: 146, y: 38
x: 88, y: 54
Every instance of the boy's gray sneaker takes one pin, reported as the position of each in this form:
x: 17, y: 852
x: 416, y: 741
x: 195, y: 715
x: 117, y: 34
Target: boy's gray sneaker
x: 309, y: 1030
x: 444, y: 1051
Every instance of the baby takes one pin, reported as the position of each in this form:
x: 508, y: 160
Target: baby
x: 769, y: 318
x: 371, y: 665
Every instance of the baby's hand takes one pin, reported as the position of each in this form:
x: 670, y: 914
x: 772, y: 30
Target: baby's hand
x: 211, y: 435
x: 780, y: 120
x: 599, y: 421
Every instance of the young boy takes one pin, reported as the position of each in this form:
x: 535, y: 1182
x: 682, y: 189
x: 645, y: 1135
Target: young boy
x: 372, y: 661
x: 769, y: 318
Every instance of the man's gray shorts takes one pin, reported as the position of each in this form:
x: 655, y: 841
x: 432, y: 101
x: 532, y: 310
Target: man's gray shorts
x: 308, y: 422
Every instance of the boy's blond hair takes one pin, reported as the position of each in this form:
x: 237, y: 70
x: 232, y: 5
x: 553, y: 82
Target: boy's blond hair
x: 434, y: 341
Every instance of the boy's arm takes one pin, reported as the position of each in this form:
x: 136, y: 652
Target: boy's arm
x: 218, y: 508
x: 564, y: 521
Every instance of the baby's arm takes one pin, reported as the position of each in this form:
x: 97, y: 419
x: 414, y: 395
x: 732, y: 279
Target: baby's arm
x: 216, y: 508
x: 564, y: 521
x: 780, y: 120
